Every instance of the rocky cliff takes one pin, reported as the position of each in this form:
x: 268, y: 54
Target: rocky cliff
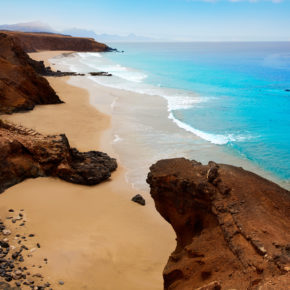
x: 21, y: 87
x: 32, y: 42
x: 232, y: 226
x: 28, y: 154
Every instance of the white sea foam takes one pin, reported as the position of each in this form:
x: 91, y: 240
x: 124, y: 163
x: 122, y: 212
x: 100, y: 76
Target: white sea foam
x: 217, y: 139
x: 73, y: 68
x: 117, y: 138
x: 179, y: 102
x: 86, y: 54
x: 113, y: 104
x: 175, y: 101
x: 125, y: 78
x: 103, y: 64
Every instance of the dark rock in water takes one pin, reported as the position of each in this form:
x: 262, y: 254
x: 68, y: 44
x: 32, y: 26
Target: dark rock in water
x: 101, y: 73
x: 47, y: 71
x: 47, y: 156
x: 139, y: 199
x: 110, y: 49
x: 232, y: 226
x: 287, y: 90
x: 50, y: 73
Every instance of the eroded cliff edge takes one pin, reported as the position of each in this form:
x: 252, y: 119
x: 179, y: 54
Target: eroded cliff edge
x: 232, y: 226
x: 32, y: 42
x: 21, y: 87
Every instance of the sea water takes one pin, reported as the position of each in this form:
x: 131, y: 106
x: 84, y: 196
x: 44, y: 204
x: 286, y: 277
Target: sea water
x: 231, y: 96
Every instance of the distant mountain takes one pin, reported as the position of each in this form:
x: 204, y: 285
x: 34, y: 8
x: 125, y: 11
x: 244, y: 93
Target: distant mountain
x: 106, y: 37
x: 35, y: 26
x: 78, y: 32
x: 127, y: 38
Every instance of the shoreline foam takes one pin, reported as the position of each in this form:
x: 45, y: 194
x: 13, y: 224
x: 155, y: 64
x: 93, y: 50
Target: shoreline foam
x: 204, y: 114
x: 123, y: 104
x: 89, y: 234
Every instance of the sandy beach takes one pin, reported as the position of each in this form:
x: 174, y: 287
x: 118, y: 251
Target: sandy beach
x: 93, y: 237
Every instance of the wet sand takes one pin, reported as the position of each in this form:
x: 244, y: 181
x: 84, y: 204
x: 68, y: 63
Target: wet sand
x: 93, y: 237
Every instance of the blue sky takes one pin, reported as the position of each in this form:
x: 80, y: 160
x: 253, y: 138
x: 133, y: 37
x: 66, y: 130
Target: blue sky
x: 169, y: 19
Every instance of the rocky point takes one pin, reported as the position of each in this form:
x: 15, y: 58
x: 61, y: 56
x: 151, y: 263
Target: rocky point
x: 28, y: 154
x: 232, y: 226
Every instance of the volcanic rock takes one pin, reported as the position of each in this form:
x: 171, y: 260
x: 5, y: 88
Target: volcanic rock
x: 21, y: 88
x: 139, y: 199
x: 28, y: 154
x: 32, y: 42
x: 232, y: 226
x: 100, y: 73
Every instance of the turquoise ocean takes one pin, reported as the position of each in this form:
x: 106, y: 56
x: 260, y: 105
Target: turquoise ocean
x: 234, y: 95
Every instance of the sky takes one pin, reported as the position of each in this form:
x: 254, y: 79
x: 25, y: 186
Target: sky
x: 188, y: 20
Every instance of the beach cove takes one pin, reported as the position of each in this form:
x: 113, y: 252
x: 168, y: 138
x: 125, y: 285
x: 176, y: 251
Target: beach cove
x: 89, y: 234
x: 145, y: 145
x: 78, y: 237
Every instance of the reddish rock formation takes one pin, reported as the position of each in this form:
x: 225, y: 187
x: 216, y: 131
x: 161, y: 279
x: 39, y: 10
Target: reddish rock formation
x: 21, y: 88
x: 25, y: 154
x: 232, y: 226
x: 32, y: 42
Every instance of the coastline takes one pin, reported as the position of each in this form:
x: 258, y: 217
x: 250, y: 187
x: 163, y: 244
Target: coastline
x: 140, y: 118
x: 89, y: 234
x: 127, y: 82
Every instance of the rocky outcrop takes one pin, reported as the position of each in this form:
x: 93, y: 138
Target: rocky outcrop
x: 21, y: 87
x: 138, y: 198
x: 28, y: 154
x: 48, y: 72
x: 232, y: 226
x: 32, y: 42
x: 100, y: 73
